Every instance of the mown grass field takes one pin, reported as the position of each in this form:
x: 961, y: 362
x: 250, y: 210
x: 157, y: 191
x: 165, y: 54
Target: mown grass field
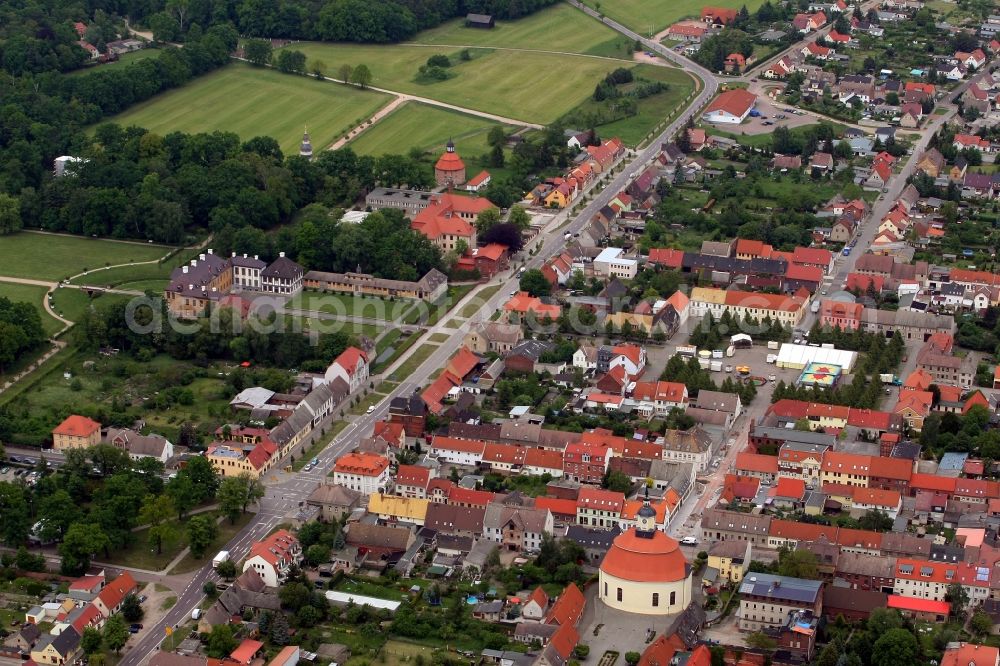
x: 647, y: 17
x: 426, y: 128
x: 26, y: 293
x: 651, y: 110
x: 54, y: 257
x: 257, y: 102
x: 525, y: 86
x: 351, y: 306
x: 558, y: 28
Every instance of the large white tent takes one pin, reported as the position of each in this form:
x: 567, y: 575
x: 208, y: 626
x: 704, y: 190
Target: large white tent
x: 797, y: 357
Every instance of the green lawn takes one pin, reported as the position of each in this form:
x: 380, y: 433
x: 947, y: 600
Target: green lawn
x: 123, y: 61
x: 407, y: 368
x: 353, y: 306
x: 652, y: 110
x: 135, y: 277
x: 391, y: 339
x: 649, y: 17
x: 35, y: 295
x: 54, y: 257
x: 558, y: 28
x: 439, y: 338
x: 72, y: 303
x: 257, y: 102
x: 426, y: 128
x: 528, y: 86
x: 226, y: 532
x: 476, y: 304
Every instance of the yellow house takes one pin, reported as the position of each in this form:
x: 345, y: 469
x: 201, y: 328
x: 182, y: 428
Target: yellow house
x: 398, y: 509
x: 228, y: 460
x: 731, y: 559
x: 558, y: 198
x: 635, y: 321
x: 76, y: 432
x: 56, y: 650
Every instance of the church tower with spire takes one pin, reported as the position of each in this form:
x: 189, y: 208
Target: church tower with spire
x: 306, y: 149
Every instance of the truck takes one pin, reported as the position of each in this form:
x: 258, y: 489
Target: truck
x: 888, y: 378
x: 716, y: 366
x: 717, y: 353
x: 222, y: 556
x: 771, y: 358
x: 814, y: 307
x: 704, y: 363
x: 730, y: 351
x: 772, y: 344
x: 687, y: 350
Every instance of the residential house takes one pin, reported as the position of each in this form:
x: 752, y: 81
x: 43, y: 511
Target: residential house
x: 517, y: 528
x: 273, y: 556
x: 76, y: 432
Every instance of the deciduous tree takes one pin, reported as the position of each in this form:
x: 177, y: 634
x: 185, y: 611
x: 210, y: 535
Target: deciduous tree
x: 202, y: 530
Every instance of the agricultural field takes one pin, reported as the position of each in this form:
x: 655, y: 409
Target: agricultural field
x: 27, y: 293
x: 651, y: 110
x: 648, y: 18
x: 522, y: 85
x: 427, y: 129
x: 55, y: 257
x: 257, y: 102
x: 558, y: 28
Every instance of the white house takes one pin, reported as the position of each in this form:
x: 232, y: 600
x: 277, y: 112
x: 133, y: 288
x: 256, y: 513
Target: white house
x: 140, y: 446
x: 611, y: 262
x: 731, y: 107
x: 273, y: 557
x: 351, y: 366
x: 467, y: 452
x: 632, y: 358
x: 246, y: 272
x: 585, y: 358
x: 363, y: 472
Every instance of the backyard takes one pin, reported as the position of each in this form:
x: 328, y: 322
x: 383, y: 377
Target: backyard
x: 257, y: 102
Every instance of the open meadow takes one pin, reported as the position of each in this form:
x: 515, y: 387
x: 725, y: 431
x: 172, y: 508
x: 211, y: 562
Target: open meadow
x: 557, y: 28
x: 257, y: 102
x: 55, y: 257
x: 650, y: 110
x: 648, y: 17
x: 523, y: 85
x: 426, y: 128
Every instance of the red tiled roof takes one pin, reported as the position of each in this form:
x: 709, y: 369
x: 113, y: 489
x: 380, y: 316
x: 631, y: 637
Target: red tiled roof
x: 349, y: 358
x: 915, y: 605
x: 756, y: 462
x: 478, y: 179
x: 246, y: 651
x: 969, y: 654
x: 363, y: 463
x: 558, y: 506
x: 273, y: 548
x: 789, y: 487
x: 600, y: 499
x: 543, y: 458
x: 666, y: 256
x: 116, y: 591
x: 413, y: 475
x: 736, y: 102
x: 568, y: 607
x: 77, y: 426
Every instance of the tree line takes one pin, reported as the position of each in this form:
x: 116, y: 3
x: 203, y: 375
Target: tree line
x: 20, y: 330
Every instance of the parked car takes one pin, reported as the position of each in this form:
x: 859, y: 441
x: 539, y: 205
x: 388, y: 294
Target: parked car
x: 689, y: 541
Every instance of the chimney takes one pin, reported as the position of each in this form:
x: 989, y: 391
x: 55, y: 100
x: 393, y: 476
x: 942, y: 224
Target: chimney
x: 191, y: 287
x: 234, y: 255
x: 215, y: 290
x: 203, y: 289
x: 210, y: 250
x: 281, y: 255
x: 194, y: 262
x: 257, y: 257
x: 184, y: 269
x: 201, y: 256
x: 245, y: 255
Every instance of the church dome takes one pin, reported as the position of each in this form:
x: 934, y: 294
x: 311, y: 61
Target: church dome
x: 643, y: 558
